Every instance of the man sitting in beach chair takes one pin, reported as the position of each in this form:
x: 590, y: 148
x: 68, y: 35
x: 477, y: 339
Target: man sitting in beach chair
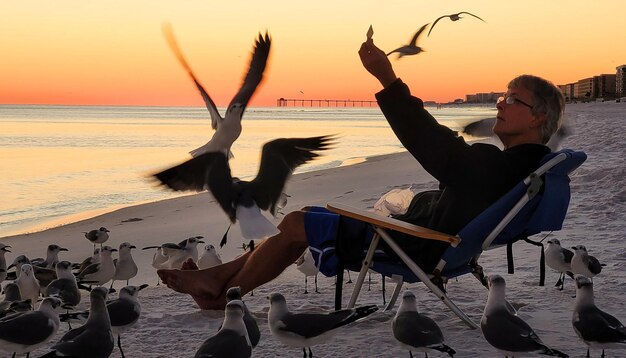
x: 472, y: 177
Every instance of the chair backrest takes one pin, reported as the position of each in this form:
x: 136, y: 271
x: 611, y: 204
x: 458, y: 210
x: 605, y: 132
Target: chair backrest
x: 539, y: 203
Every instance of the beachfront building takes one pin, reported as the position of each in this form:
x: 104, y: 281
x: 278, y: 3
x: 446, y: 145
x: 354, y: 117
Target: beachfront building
x: 568, y: 91
x: 620, y: 81
x: 584, y: 89
x: 605, y: 86
x: 490, y: 97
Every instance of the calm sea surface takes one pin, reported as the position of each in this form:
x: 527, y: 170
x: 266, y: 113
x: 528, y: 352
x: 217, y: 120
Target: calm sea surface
x: 63, y: 163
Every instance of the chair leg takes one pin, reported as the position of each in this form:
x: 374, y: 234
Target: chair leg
x: 338, y: 288
x: 424, y: 278
x: 366, y: 265
x: 396, y: 292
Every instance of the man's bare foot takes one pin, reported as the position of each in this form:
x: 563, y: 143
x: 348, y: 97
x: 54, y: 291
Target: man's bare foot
x: 204, y: 291
x: 189, y: 264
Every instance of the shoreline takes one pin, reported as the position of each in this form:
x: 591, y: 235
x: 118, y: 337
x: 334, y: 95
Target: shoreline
x: 80, y: 217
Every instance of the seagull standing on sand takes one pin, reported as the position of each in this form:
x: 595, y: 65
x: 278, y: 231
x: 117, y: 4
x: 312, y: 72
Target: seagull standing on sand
x: 453, y: 17
x: 234, y: 294
x: 583, y: 263
x: 231, y: 341
x: 560, y: 260
x: 25, y: 332
x: 124, y: 312
x: 209, y: 257
x: 102, y: 272
x: 177, y: 254
x: 98, y: 236
x: 308, y: 329
x: 411, y: 48
x: 28, y: 284
x: 93, y: 339
x: 504, y: 330
x: 306, y: 264
x: 52, y: 257
x: 3, y: 262
x: 42, y: 274
x: 598, y: 329
x: 227, y: 128
x: 11, y: 294
x: 125, y: 266
x: 243, y: 200
x: 415, y: 331
x: 64, y: 287
x: 93, y: 259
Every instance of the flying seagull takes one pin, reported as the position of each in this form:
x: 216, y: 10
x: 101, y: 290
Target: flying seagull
x: 506, y: 331
x: 415, y: 331
x: 411, y: 48
x: 453, y: 17
x: 593, y: 326
x: 243, y: 200
x: 560, y: 260
x: 227, y: 128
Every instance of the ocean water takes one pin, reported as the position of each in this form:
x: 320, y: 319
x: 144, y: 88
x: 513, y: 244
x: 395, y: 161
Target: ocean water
x: 64, y: 163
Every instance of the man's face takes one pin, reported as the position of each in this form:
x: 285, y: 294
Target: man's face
x: 515, y: 117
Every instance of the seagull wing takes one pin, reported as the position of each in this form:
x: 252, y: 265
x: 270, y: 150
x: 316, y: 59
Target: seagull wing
x: 595, y: 325
x: 313, y: 324
x: 411, y: 327
x: 122, y: 312
x: 216, y: 119
x: 255, y: 71
x: 465, y: 12
x: 226, y: 343
x: 513, y: 334
x: 435, y: 23
x: 417, y: 34
x: 28, y: 328
x: 396, y: 50
x: 594, y: 265
x: 567, y: 255
x: 278, y: 160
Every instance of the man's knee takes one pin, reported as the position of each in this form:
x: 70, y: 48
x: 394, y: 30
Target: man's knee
x: 292, y: 223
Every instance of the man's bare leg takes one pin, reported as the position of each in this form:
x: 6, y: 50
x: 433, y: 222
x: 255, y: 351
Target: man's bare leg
x: 269, y: 259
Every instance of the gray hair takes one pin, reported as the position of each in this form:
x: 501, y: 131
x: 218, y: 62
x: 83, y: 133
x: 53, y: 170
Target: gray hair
x: 547, y: 99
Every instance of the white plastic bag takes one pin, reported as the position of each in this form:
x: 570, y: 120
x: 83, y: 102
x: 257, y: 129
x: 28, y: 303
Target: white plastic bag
x: 394, y: 202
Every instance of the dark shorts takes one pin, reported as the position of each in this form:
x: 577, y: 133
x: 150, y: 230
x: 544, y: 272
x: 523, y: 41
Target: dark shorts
x: 333, y: 238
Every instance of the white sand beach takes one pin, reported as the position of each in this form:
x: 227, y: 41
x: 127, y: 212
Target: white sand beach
x: 172, y: 325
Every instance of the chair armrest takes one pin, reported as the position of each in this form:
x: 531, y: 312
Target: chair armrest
x: 393, y: 224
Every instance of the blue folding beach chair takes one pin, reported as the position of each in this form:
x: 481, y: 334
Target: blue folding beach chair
x: 539, y: 203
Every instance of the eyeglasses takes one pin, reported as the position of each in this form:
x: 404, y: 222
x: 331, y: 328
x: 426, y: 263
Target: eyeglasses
x: 511, y: 100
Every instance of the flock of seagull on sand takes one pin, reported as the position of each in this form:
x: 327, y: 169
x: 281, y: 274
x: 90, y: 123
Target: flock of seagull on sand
x: 23, y: 329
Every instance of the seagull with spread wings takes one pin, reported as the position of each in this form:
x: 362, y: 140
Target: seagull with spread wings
x: 243, y: 200
x: 411, y: 48
x: 227, y: 128
x: 453, y: 17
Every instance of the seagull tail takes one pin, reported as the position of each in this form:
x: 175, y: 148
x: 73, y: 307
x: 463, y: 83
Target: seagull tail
x: 359, y: 312
x: 553, y: 352
x: 253, y: 225
x: 445, y: 349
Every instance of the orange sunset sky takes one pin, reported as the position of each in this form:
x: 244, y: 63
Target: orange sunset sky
x: 113, y: 52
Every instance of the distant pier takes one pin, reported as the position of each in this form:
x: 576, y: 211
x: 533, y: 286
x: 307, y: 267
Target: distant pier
x: 289, y: 102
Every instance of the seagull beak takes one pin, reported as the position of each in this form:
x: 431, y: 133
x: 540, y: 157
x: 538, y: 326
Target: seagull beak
x: 63, y: 249
x: 133, y: 246
x: 143, y: 286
